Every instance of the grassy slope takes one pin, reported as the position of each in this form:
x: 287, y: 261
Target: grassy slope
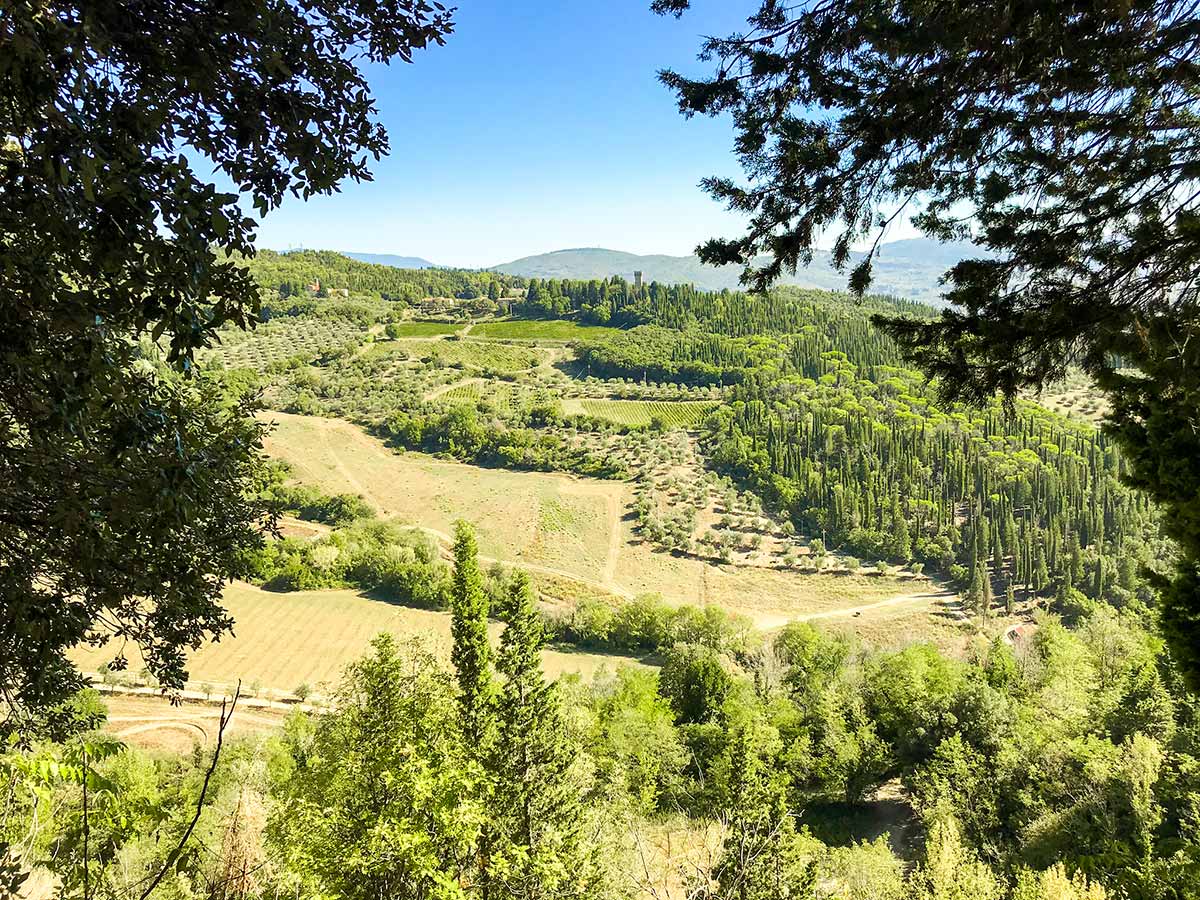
x: 469, y: 354
x: 510, y: 510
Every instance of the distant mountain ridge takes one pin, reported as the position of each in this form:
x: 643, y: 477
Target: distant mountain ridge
x: 390, y: 259
x: 908, y: 268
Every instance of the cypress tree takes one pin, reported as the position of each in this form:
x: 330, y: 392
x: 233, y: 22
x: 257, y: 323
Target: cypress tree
x: 471, y: 654
x: 759, y: 859
x: 901, y: 539
x: 1041, y: 575
x: 1074, y: 561
x: 985, y: 591
x: 539, y: 803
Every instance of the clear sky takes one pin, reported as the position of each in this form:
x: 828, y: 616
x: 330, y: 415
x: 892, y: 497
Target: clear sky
x: 539, y: 126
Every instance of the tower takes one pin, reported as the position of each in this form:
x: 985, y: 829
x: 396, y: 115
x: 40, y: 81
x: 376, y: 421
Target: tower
x: 637, y: 282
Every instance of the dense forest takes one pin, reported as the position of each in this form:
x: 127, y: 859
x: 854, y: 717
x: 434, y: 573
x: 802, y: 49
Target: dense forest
x: 994, y: 498
x: 615, y: 301
x: 825, y: 424
x: 299, y: 273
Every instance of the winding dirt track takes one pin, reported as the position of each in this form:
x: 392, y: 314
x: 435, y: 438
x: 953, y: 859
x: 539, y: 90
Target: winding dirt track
x: 768, y: 621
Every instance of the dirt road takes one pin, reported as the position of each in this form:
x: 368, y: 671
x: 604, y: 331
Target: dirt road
x: 768, y: 620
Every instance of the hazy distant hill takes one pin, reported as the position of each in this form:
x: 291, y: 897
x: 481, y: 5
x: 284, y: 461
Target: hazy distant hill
x: 909, y: 268
x: 390, y: 259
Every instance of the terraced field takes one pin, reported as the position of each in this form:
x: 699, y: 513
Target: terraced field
x: 282, y: 339
x: 672, y: 413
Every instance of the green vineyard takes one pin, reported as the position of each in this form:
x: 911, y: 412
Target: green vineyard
x: 421, y: 329
x: 500, y: 395
x: 482, y: 355
x: 672, y: 414
x: 463, y: 393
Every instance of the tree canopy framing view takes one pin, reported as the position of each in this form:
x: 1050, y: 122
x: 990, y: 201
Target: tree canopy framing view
x: 341, y: 574
x: 1065, y: 142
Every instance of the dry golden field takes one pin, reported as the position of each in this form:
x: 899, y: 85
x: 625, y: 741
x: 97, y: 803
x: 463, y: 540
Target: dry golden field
x: 525, y: 518
x: 282, y: 641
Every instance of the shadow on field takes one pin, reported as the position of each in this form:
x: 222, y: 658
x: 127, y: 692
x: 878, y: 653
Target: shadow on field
x: 618, y: 657
x: 842, y: 824
x: 572, y: 368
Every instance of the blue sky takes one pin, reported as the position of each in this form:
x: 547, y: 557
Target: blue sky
x: 539, y: 126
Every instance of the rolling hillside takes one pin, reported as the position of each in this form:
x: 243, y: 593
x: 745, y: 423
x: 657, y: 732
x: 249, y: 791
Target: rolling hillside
x: 909, y: 268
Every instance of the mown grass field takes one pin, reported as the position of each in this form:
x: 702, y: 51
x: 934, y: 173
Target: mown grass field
x: 480, y: 355
x: 538, y: 330
x: 506, y: 507
x: 672, y: 413
x: 308, y: 637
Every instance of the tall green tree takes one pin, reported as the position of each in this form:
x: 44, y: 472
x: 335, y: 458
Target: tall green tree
x: 901, y: 538
x: 539, y: 793
x: 984, y: 580
x: 695, y: 682
x: 124, y: 502
x: 759, y: 858
x: 1063, y: 139
x: 377, y: 798
x: 471, y: 654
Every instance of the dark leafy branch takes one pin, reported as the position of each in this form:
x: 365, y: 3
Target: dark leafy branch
x: 1062, y: 139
